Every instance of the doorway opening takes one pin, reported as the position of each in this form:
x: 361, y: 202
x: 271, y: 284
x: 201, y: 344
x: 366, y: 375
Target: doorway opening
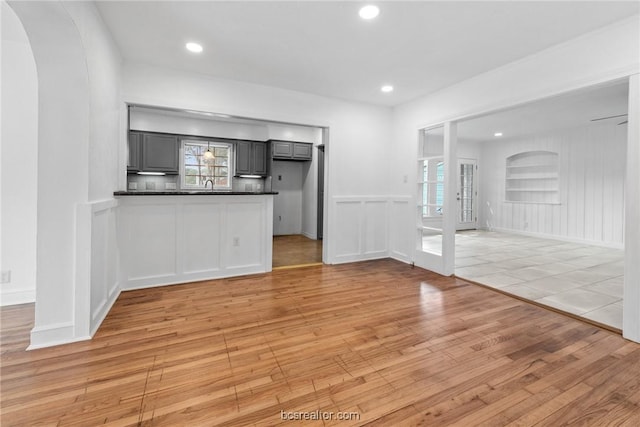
x: 550, y: 202
x: 298, y: 208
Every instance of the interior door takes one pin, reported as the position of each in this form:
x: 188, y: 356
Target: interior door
x: 467, y: 194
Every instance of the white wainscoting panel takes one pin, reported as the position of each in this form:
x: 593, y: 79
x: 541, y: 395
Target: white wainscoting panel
x: 348, y: 219
x: 201, y: 225
x: 104, y: 265
x: 178, y: 239
x: 401, y: 223
x: 150, y: 240
x: 245, y: 235
x: 375, y: 227
x: 361, y: 228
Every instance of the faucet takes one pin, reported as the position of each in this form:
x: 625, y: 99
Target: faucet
x: 208, y: 181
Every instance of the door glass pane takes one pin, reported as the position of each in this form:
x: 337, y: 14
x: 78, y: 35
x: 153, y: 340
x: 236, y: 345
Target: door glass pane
x: 465, y: 193
x: 431, y: 190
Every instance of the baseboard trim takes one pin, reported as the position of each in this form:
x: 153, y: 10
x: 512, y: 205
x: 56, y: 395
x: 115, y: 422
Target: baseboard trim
x: 610, y: 245
x: 101, y: 315
x: 52, y: 335
x: 17, y: 297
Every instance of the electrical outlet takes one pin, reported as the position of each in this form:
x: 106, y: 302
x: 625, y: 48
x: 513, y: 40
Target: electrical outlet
x: 6, y: 276
x: 169, y: 185
x: 236, y: 241
x: 150, y: 185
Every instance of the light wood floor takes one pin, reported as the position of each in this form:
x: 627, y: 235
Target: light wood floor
x: 384, y: 342
x: 296, y: 249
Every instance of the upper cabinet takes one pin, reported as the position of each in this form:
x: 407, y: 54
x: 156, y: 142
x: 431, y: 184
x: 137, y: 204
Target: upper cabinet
x: 133, y: 164
x: 288, y: 150
x: 153, y: 153
x: 251, y: 158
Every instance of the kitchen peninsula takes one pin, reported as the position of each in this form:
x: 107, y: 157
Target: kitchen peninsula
x: 174, y: 237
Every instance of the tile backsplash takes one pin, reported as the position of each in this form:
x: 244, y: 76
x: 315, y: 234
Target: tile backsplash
x: 152, y: 183
x: 172, y: 183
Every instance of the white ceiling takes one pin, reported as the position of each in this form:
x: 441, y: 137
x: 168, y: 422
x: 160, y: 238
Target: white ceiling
x: 323, y: 47
x: 574, y: 109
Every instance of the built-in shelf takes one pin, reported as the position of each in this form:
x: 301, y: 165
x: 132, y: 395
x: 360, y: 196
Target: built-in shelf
x: 532, y: 189
x: 532, y: 177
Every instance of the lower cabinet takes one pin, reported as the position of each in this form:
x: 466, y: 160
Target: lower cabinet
x: 251, y: 158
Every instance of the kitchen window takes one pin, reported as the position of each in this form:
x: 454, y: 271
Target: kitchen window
x: 197, y: 169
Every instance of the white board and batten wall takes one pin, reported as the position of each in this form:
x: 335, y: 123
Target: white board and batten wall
x: 590, y: 203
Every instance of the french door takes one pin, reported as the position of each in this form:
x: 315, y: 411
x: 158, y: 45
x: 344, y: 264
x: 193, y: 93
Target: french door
x: 467, y: 192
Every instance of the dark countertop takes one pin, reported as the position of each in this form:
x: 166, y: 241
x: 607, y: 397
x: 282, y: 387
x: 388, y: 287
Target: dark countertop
x: 192, y: 193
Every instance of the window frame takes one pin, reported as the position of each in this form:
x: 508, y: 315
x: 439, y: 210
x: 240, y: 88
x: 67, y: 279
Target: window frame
x: 212, y: 143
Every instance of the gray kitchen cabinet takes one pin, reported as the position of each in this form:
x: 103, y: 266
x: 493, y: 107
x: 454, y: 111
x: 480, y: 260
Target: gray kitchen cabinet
x: 302, y: 151
x: 133, y: 164
x: 251, y: 158
x: 243, y: 158
x: 160, y: 153
x: 281, y: 149
x: 259, y: 157
x: 289, y: 150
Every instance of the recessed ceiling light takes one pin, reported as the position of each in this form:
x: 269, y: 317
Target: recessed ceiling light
x: 497, y: 134
x: 387, y: 88
x: 194, y: 47
x: 369, y: 11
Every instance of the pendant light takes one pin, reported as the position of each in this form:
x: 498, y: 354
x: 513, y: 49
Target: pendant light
x: 208, y: 155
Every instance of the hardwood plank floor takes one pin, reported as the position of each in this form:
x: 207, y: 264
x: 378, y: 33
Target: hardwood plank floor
x: 295, y: 250
x: 379, y: 342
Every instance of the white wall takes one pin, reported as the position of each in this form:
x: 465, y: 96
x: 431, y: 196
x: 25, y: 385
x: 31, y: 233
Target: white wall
x: 597, y: 57
x: 165, y: 122
x: 104, y: 65
x: 360, y: 133
x: 19, y: 154
x: 79, y: 128
x: 287, y: 181
x: 591, y: 181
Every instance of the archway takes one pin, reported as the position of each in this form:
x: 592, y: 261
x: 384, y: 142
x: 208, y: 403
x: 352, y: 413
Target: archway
x: 62, y: 166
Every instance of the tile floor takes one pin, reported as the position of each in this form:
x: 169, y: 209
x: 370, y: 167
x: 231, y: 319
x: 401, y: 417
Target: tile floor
x: 580, y: 279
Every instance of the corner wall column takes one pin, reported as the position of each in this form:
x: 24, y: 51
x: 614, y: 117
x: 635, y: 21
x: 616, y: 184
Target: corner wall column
x: 631, y: 300
x: 450, y: 207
